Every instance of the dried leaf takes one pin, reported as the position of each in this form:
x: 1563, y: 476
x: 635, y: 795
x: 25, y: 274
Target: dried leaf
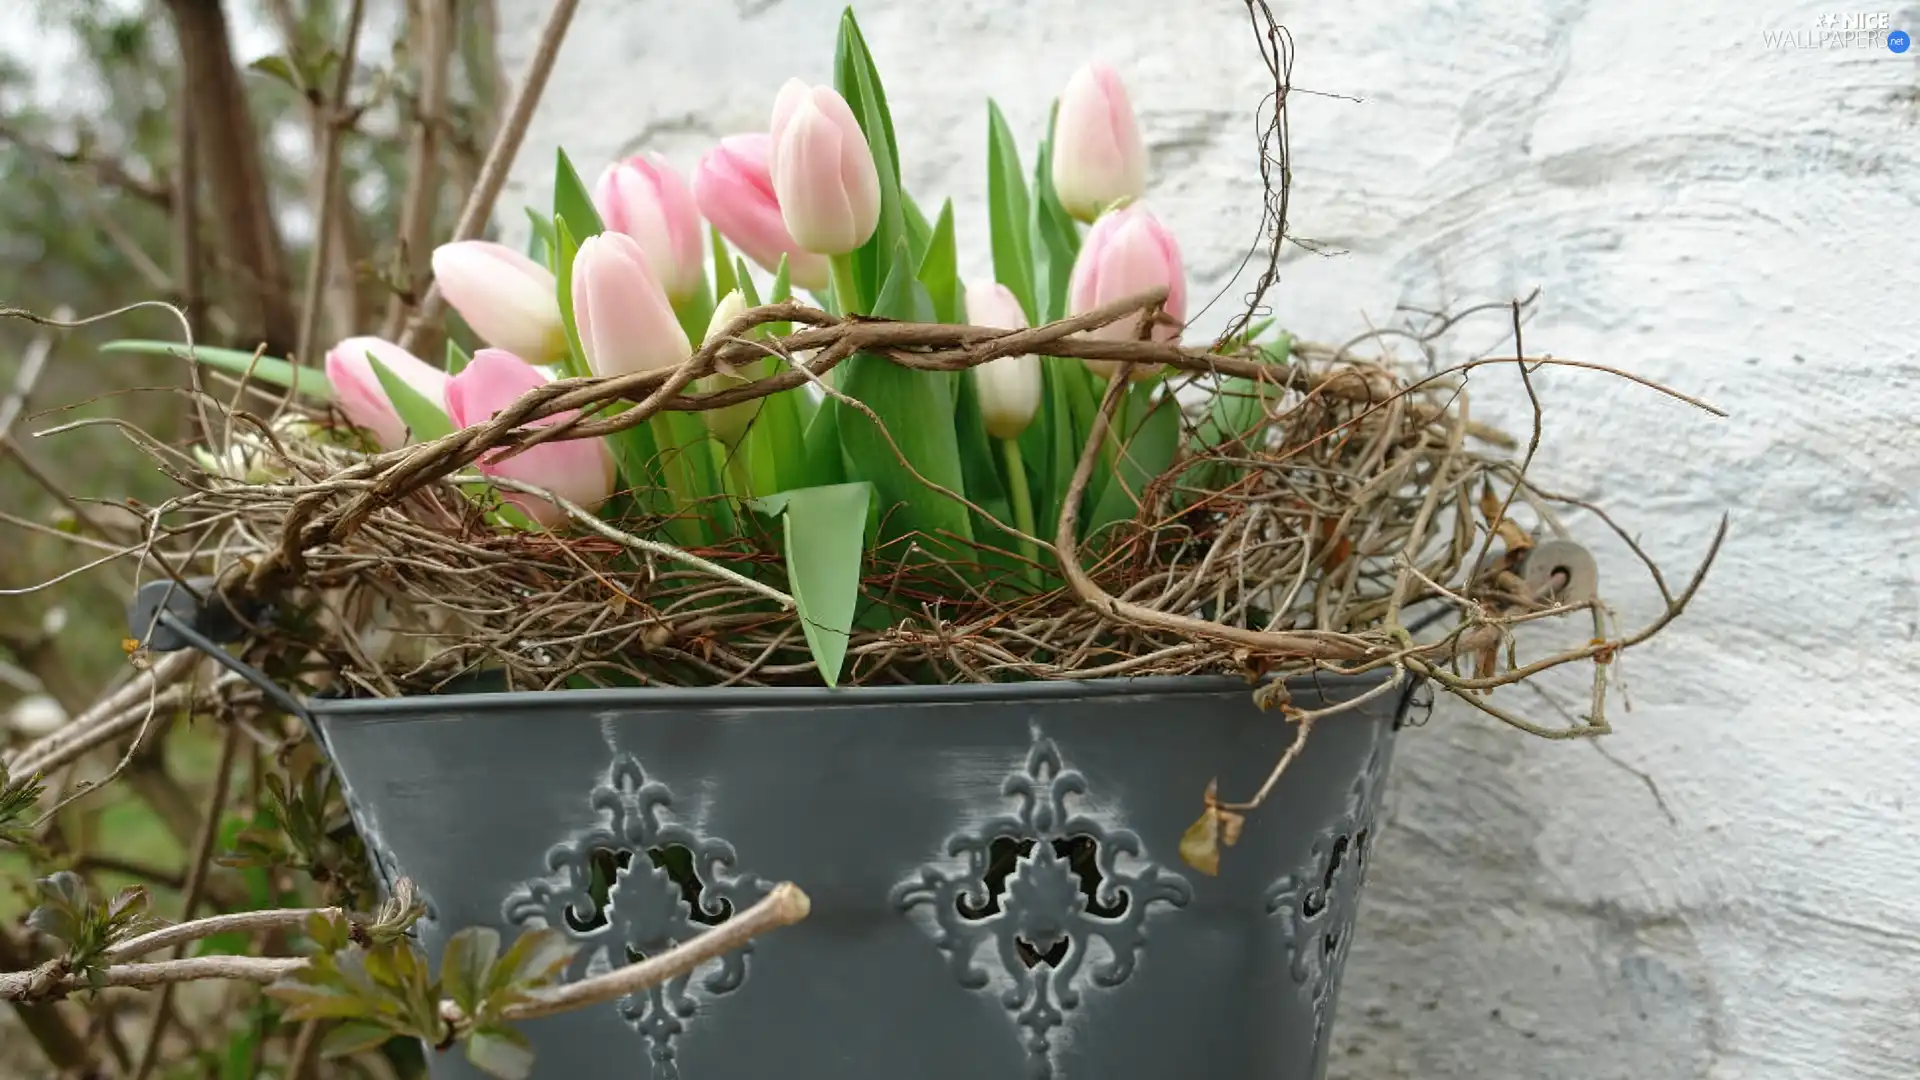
x: 1230, y: 826
x: 1200, y: 844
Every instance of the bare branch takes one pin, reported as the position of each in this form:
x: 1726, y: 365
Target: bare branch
x: 506, y: 146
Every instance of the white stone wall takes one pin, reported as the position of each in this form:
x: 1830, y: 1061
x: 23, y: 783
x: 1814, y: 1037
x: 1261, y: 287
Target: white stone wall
x: 1730, y: 886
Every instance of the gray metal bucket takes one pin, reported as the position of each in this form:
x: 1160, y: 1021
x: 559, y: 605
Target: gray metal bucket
x: 996, y: 889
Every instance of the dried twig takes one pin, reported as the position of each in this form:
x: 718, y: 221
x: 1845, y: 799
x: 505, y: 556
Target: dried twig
x: 506, y: 145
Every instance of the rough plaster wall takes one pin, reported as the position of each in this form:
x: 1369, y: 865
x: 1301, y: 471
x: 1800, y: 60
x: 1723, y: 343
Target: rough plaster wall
x: 1730, y: 886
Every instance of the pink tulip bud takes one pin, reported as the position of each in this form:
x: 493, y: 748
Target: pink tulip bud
x: 1009, y: 386
x: 646, y: 199
x: 728, y: 424
x: 1098, y: 158
x: 625, y: 322
x: 733, y: 188
x: 358, y: 393
x: 1126, y: 252
x: 823, y: 170
x: 578, y: 470
x: 511, y: 301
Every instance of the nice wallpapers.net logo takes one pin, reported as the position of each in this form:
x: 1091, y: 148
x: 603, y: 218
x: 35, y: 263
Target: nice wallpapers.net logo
x: 1843, y: 30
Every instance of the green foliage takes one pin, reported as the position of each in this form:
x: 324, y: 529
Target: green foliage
x: 425, y: 421
x: 373, y: 985
x: 303, y: 826
x: 266, y: 369
x: 88, y: 927
x: 18, y: 797
x: 825, y: 532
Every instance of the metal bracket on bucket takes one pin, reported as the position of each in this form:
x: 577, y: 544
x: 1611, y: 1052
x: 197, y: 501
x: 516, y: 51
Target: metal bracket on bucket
x: 167, y: 616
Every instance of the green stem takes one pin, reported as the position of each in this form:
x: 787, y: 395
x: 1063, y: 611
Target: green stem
x: 846, y: 289
x: 1022, y: 507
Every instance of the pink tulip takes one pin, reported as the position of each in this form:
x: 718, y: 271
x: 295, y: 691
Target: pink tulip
x: 626, y: 323
x: 823, y: 170
x: 646, y: 199
x: 511, y: 301
x: 1126, y: 252
x: 578, y: 470
x: 733, y: 188
x: 1008, y: 387
x: 1098, y: 158
x: 358, y: 393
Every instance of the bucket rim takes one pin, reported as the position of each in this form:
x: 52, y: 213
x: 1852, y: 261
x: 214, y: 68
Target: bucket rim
x: 1328, y: 684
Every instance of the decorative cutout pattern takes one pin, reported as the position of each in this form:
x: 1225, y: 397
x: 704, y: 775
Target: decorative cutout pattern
x: 1319, y: 904
x: 633, y: 887
x: 1036, y: 888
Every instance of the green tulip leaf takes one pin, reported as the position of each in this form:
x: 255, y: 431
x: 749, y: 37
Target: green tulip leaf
x: 457, y: 358
x: 425, y: 420
x: 940, y: 269
x: 1009, y: 214
x: 919, y: 230
x: 540, y: 245
x: 825, y: 534
x: 307, y: 380
x: 1154, y: 440
x: 858, y: 81
x: 1056, y: 239
x: 572, y: 202
x: 824, y: 455
x: 917, y: 409
x: 1051, y: 444
x: 749, y: 293
x: 567, y: 249
x: 724, y: 278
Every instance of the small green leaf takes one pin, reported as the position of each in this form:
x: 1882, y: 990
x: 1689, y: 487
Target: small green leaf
x: 353, y: 1037
x: 1008, y: 214
x: 540, y: 245
x: 825, y: 532
x: 725, y: 279
x: 18, y: 797
x: 1056, y: 239
x: 457, y: 358
x: 940, y: 269
x: 281, y: 70
x: 425, y: 420
x: 858, y: 81
x: 749, y: 293
x: 572, y: 202
x: 919, y: 229
x: 501, y: 1052
x: 575, y: 362
x: 916, y: 408
x: 466, y: 968
x: 309, y: 381
x: 535, y: 958
x: 1147, y: 454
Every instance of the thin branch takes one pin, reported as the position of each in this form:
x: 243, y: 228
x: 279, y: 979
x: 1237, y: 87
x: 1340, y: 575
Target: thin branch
x: 784, y: 905
x: 116, y: 714
x: 506, y: 146
x: 418, y: 207
x: 334, y: 116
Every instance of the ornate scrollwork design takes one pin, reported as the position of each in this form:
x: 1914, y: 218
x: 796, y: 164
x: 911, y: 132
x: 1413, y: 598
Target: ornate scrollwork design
x: 634, y: 886
x: 1034, y: 889
x: 1319, y: 903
